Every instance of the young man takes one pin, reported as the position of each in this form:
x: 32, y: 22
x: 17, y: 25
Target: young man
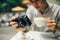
x: 42, y: 9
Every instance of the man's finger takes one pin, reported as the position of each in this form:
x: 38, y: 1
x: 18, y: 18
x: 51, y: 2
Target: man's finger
x: 13, y: 18
x: 51, y: 21
x: 49, y: 18
x: 50, y: 24
x: 13, y: 23
x: 16, y: 25
x: 52, y: 27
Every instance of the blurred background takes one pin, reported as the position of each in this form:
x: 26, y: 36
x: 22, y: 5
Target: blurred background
x: 9, y: 8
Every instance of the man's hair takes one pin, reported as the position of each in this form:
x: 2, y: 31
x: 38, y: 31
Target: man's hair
x: 36, y: 0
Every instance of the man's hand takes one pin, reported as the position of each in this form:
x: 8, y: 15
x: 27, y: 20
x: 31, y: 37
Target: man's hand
x: 51, y: 24
x: 14, y: 24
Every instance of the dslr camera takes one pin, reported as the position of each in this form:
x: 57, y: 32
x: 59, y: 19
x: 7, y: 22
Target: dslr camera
x: 23, y: 21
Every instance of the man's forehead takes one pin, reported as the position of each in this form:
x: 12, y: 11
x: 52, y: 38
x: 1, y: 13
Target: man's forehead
x: 37, y: 0
x: 34, y: 0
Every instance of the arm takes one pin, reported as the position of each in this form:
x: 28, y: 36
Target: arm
x: 58, y: 20
x: 52, y: 23
x: 29, y: 14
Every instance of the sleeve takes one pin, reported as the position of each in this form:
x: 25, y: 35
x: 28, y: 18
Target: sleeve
x: 59, y: 12
x: 58, y: 16
x: 29, y: 14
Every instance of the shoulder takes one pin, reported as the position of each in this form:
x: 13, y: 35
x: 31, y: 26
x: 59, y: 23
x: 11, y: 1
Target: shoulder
x: 54, y: 5
x: 57, y: 6
x: 31, y: 8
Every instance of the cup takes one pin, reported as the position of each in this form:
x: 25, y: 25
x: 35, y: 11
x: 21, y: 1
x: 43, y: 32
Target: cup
x: 40, y: 21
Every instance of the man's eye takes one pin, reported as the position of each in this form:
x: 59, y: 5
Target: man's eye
x: 34, y: 0
x: 37, y: 0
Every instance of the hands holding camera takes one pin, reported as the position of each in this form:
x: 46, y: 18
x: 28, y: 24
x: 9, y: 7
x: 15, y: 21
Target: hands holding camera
x: 13, y: 23
x: 20, y: 22
x: 50, y: 24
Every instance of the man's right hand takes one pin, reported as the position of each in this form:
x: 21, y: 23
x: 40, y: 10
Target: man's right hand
x: 13, y: 23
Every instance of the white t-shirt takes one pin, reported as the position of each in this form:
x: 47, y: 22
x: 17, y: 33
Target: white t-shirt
x: 31, y: 35
x: 34, y: 15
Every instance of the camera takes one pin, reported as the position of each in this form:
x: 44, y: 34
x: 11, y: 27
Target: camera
x: 23, y: 21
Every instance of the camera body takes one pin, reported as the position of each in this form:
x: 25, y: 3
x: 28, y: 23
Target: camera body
x: 23, y: 21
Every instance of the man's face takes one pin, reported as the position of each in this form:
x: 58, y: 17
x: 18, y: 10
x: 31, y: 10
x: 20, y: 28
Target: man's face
x: 38, y: 3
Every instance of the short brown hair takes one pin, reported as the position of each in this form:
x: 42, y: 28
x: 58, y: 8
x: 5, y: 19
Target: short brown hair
x: 36, y: 0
